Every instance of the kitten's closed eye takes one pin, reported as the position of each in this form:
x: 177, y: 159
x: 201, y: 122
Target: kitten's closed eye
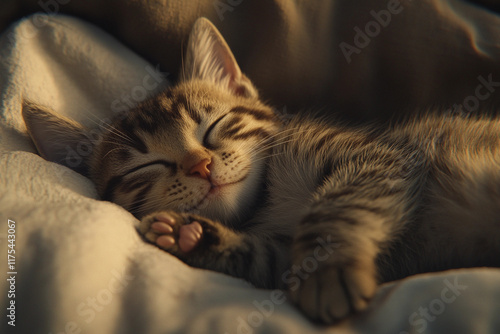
x: 208, y: 142
x: 170, y: 165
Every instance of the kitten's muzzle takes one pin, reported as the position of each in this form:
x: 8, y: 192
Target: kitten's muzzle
x: 198, y: 164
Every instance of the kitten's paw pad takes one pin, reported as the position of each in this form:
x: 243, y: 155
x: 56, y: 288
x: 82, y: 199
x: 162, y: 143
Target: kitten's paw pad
x: 331, y: 294
x: 171, y: 232
x: 189, y: 236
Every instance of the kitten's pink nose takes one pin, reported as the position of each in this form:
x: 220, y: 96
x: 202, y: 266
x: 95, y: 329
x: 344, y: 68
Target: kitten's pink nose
x: 201, y: 169
x: 198, y: 164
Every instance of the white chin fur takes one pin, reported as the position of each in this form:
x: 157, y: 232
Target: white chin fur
x: 232, y: 202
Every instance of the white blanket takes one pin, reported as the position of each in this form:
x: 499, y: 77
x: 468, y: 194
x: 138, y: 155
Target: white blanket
x: 80, y: 266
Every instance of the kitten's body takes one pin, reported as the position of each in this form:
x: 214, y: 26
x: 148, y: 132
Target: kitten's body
x: 325, y: 209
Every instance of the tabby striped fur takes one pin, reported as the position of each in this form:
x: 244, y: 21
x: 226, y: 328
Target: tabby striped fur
x: 367, y: 205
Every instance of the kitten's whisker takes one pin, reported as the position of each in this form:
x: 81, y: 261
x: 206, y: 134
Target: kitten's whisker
x: 114, y: 149
x: 281, y: 132
x: 119, y: 134
x: 268, y: 140
x: 111, y: 129
x: 292, y: 132
x: 183, y: 69
x: 276, y: 142
x: 115, y: 143
x: 259, y: 150
x: 274, y: 138
x: 268, y: 156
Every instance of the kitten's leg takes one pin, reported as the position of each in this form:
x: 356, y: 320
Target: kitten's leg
x: 203, y: 243
x: 352, y: 217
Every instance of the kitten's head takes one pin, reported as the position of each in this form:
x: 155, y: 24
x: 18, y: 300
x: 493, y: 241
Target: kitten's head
x: 200, y: 146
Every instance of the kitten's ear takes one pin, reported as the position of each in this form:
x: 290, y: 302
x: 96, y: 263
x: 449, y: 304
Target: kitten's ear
x: 208, y: 57
x: 58, y: 139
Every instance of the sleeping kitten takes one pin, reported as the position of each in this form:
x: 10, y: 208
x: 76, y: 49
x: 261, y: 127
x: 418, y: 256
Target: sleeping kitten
x: 326, y: 210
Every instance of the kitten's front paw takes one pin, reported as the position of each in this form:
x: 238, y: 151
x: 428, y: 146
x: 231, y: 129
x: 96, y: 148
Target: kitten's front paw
x: 171, y: 231
x: 332, y: 293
